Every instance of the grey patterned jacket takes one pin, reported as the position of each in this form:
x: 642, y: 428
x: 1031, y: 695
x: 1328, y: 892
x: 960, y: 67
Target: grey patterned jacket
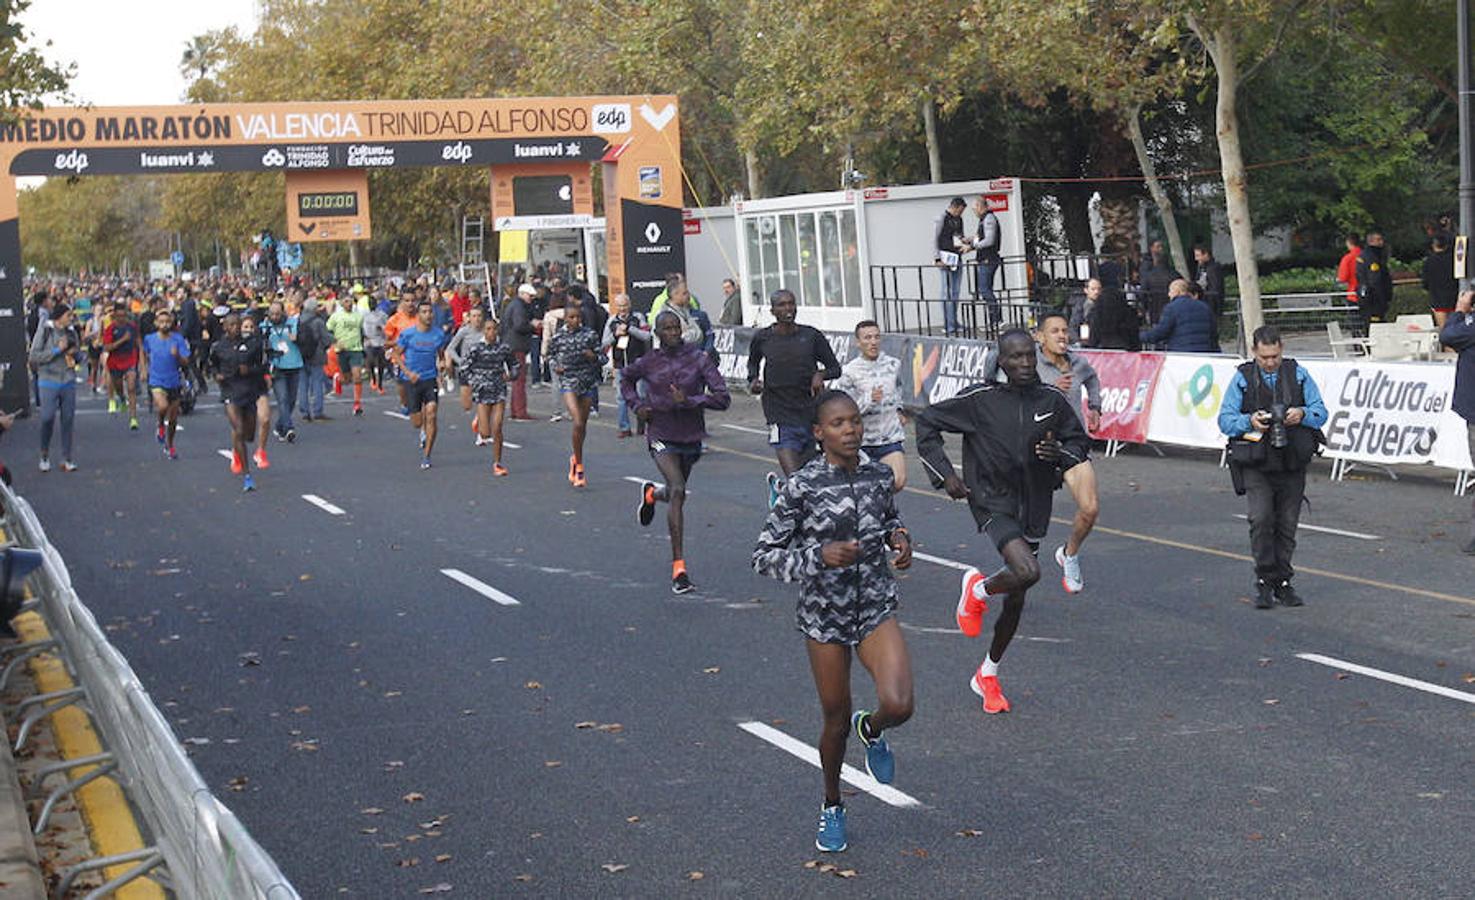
x: 818, y: 504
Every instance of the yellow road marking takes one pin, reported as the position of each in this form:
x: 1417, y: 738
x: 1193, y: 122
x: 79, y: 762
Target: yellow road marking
x: 110, y: 823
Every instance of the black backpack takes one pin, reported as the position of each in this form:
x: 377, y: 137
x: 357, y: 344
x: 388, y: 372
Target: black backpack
x: 307, y: 339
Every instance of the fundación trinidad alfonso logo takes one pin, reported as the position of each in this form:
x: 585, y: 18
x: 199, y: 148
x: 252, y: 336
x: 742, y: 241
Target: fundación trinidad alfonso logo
x: 1200, y: 394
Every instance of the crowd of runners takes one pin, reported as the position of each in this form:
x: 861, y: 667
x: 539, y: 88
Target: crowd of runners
x: 838, y: 433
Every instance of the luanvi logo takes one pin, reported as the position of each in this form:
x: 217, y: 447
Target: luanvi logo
x: 73, y: 161
x: 273, y: 158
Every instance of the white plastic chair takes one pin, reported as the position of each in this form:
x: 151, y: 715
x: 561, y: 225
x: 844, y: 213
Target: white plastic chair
x: 1342, y: 345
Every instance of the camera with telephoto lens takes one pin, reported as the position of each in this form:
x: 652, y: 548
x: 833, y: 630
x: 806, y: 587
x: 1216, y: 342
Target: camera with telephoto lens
x: 15, y: 564
x: 1278, y: 437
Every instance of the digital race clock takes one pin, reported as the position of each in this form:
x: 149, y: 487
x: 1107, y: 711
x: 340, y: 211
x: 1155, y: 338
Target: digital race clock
x: 328, y: 203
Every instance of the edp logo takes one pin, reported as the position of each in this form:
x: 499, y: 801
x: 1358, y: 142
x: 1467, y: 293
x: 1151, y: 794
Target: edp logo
x: 458, y: 152
x: 74, y: 161
x: 611, y: 118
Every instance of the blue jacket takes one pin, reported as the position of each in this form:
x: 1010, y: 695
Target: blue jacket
x: 1187, y: 326
x: 1459, y: 334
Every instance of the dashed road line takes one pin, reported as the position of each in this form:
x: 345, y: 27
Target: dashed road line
x: 227, y: 454
x: 481, y: 587
x: 1324, y: 530
x: 849, y: 774
x: 324, y: 505
x: 1390, y: 677
x: 396, y: 414
x: 940, y: 561
x: 746, y: 429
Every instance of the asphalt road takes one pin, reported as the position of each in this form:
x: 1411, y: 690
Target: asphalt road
x: 383, y: 728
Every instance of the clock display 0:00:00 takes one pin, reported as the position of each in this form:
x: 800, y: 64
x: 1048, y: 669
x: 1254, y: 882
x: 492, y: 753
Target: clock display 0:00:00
x: 328, y: 203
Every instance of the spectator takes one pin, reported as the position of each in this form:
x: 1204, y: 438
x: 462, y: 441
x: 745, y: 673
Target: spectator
x: 1459, y: 334
x: 626, y: 338
x: 312, y: 343
x: 1210, y: 279
x: 1187, y: 325
x: 947, y: 243
x: 1374, y: 280
x: 1113, y: 323
x: 665, y: 295
x: 1157, y: 278
x: 56, y: 351
x: 1080, y: 307
x: 696, y: 327
x: 1439, y: 279
x: 986, y: 243
x: 517, y: 331
x: 732, y: 304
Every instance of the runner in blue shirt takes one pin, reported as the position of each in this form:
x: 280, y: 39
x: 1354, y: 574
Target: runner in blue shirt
x: 418, y: 352
x: 164, y: 354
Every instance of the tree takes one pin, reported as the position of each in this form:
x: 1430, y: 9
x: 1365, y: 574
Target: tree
x: 25, y: 75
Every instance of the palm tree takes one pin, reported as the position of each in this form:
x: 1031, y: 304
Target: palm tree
x: 201, y: 54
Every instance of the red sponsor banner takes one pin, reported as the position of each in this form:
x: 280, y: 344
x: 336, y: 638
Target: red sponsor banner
x: 997, y: 203
x: 691, y: 226
x: 877, y: 193
x: 1128, y: 381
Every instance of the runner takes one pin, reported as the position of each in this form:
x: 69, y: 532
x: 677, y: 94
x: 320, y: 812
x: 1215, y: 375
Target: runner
x: 788, y: 364
x: 682, y: 383
x: 489, y: 367
x: 404, y: 318
x: 1069, y: 372
x: 165, y: 353
x: 1017, y: 438
x: 250, y: 331
x: 871, y: 381
x: 346, y: 329
x: 576, y: 360
x: 417, y: 353
x: 240, y: 369
x: 467, y: 336
x: 120, y: 345
x: 830, y: 529
x: 374, y: 339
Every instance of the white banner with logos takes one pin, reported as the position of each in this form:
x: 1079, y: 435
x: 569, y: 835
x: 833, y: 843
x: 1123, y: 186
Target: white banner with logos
x: 1382, y: 412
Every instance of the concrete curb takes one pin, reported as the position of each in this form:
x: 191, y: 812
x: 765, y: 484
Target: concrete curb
x: 20, y: 868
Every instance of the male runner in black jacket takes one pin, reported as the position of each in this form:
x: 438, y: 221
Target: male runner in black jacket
x: 1018, y: 439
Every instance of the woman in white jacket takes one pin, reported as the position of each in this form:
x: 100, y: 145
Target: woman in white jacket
x: 871, y: 381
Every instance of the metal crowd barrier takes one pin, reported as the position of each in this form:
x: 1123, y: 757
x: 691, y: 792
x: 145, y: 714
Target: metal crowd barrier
x: 200, y: 849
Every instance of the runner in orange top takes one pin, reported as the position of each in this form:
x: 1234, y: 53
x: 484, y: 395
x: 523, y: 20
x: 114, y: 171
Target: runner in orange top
x: 402, y: 320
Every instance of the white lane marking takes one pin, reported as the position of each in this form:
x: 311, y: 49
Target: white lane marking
x: 227, y: 454
x: 1391, y: 678
x: 323, y: 505
x: 480, y: 587
x: 746, y: 428
x: 635, y: 479
x: 849, y: 774
x: 394, y: 413
x: 938, y: 560
x: 511, y: 446
x: 929, y: 629
x: 1337, y: 531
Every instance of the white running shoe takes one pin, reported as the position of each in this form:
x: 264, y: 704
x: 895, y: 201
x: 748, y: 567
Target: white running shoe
x: 45, y: 464
x: 1071, y: 567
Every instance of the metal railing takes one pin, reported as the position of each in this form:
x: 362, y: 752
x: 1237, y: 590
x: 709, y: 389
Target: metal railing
x: 910, y: 300
x: 200, y: 849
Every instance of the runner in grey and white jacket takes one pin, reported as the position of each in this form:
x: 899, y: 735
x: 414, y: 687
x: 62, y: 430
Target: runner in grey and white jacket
x: 871, y: 379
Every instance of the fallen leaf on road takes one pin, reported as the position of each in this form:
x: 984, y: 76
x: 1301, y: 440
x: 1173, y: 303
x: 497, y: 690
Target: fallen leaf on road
x: 585, y: 724
x: 533, y: 686
x: 304, y: 578
x: 613, y: 727
x: 1256, y: 836
x: 711, y: 670
x: 1271, y: 702
x: 413, y: 797
x: 441, y: 888
x: 970, y: 832
x: 552, y: 764
x: 695, y: 876
x: 522, y: 877
x: 1342, y: 676
x: 918, y: 853
x: 393, y: 693
x: 237, y: 783
x: 612, y: 868
x: 408, y: 863
x: 846, y: 873
x: 632, y: 819
x: 535, y: 835
x: 371, y: 811
x: 812, y: 864
x: 443, y: 858
x: 368, y: 831
x: 1468, y: 678
x: 827, y: 867
x: 393, y: 764
x: 250, y: 659
x: 1263, y: 661
x: 299, y: 710
x: 1430, y: 795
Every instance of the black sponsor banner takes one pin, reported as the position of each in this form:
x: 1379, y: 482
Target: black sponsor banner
x: 14, y: 376
x: 298, y: 157
x: 654, y: 245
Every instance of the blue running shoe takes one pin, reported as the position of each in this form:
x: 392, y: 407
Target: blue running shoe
x: 831, y: 835
x: 880, y: 761
x: 773, y: 483
x: 247, y: 485
x: 425, y: 463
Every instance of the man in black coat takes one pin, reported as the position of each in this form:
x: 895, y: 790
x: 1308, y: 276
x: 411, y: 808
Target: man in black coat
x: 1210, y: 279
x: 1374, y: 280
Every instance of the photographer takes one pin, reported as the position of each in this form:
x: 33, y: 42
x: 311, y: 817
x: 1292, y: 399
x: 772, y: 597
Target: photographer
x: 1272, y: 414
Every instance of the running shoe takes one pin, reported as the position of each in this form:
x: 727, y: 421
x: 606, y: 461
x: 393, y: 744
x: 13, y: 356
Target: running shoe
x: 132, y: 424
x: 45, y: 464
x: 573, y: 466
x: 555, y: 418
x: 338, y: 385
x: 831, y: 836
x: 358, y: 410
x: 499, y: 470
x: 291, y: 435
x: 1284, y: 593
x: 1264, y: 595
x: 880, y: 761
x: 579, y: 479
x: 971, y: 608
x: 422, y: 439
x: 160, y: 434
x: 247, y: 485
x: 647, y: 509
x: 260, y: 457
x: 481, y: 441
x: 171, y: 453
x: 425, y: 462
x: 404, y: 410
x: 68, y: 466
x: 1070, y: 579
x: 112, y: 405
x: 681, y: 584
x: 987, y: 687
x: 236, y: 465
x: 773, y: 483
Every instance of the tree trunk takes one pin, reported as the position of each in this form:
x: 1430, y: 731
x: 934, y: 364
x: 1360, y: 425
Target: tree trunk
x: 1224, y: 52
x: 934, y: 152
x: 755, y: 177
x: 1155, y: 187
x: 353, y: 255
x: 1119, y: 222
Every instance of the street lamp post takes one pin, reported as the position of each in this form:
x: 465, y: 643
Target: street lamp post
x: 1467, y: 146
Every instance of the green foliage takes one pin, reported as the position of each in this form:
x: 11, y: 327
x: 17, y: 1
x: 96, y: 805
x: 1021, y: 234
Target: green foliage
x: 27, y: 76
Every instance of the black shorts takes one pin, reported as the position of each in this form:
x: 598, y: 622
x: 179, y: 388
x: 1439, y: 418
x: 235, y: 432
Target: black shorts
x: 422, y: 393
x: 1003, y: 528
x: 244, y: 399
x: 171, y: 394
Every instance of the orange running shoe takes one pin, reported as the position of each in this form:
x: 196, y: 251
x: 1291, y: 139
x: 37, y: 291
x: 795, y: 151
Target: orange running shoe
x: 236, y: 466
x: 499, y: 470
x: 987, y: 687
x: 579, y: 479
x: 970, y: 607
x: 573, y: 467
x: 260, y: 457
